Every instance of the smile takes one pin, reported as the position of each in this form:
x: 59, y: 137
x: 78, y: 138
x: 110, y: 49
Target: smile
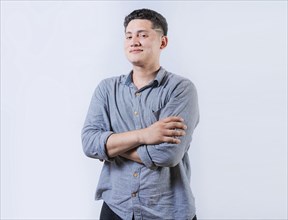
x: 135, y: 51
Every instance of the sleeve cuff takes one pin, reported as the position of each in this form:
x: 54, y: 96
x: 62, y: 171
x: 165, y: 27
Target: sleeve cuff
x: 145, y: 157
x: 103, y: 140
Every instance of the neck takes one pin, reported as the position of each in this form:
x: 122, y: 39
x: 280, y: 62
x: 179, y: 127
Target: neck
x: 142, y: 76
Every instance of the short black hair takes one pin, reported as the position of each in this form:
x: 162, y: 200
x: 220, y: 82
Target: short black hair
x: 158, y: 21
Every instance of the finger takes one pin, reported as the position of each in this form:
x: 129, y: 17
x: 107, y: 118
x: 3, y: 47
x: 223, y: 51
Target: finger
x: 173, y: 119
x: 176, y: 125
x: 172, y: 140
x: 174, y: 133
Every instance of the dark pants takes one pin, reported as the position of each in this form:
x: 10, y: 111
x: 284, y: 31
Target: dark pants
x: 108, y: 214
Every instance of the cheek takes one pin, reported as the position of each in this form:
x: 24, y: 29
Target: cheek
x: 126, y: 44
x: 148, y: 46
x: 155, y: 47
x: 126, y: 49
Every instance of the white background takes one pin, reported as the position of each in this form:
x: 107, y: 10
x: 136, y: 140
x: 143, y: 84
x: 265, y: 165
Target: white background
x: 53, y: 54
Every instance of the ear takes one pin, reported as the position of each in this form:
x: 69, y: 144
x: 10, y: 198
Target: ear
x: 164, y: 42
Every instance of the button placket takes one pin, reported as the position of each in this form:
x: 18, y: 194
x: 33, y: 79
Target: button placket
x: 137, y: 94
x: 135, y: 187
x: 136, y: 109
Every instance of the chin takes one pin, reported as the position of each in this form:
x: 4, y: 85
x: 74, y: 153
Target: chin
x: 136, y: 62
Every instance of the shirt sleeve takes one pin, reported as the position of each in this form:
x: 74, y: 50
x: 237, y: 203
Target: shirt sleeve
x: 96, y: 129
x: 183, y: 102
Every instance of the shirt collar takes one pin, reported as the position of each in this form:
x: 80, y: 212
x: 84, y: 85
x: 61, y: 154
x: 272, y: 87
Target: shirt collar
x: 160, y: 75
x: 157, y: 81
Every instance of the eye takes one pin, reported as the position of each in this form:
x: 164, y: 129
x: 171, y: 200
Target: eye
x: 128, y: 37
x: 143, y: 35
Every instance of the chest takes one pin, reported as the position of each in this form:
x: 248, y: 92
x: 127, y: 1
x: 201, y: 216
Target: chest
x: 131, y: 109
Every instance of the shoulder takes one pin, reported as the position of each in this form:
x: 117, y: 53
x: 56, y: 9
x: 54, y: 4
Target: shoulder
x: 173, y: 81
x: 108, y: 82
x: 108, y: 85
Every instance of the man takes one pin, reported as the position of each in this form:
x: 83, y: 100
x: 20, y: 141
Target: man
x: 141, y: 125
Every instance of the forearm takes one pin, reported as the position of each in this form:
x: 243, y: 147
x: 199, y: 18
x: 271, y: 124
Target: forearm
x: 170, y: 154
x: 132, y: 155
x: 163, y: 155
x: 119, y: 143
x: 162, y: 131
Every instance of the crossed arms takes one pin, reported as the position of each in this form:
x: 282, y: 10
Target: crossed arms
x: 163, y: 143
x: 162, y: 131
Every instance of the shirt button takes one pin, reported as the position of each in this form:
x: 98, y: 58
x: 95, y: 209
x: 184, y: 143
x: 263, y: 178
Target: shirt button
x: 134, y: 194
x: 137, y: 93
x: 135, y: 113
x: 135, y: 174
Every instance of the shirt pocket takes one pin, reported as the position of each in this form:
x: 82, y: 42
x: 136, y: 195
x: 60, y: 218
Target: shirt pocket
x: 151, y: 116
x: 156, y: 114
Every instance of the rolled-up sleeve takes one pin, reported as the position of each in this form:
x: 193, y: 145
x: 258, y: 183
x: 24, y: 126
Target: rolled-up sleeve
x: 96, y: 129
x: 184, y: 103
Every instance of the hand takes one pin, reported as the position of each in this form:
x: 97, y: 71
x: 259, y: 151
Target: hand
x: 165, y: 130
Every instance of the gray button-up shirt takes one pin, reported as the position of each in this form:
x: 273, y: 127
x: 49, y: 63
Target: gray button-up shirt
x: 160, y: 187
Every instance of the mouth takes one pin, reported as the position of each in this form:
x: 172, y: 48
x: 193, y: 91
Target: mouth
x: 135, y: 51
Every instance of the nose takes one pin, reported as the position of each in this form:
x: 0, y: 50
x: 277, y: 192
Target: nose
x: 135, y: 42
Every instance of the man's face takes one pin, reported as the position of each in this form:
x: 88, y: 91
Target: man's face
x: 142, y: 43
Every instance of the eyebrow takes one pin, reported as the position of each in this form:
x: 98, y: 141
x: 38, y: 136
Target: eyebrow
x: 139, y: 31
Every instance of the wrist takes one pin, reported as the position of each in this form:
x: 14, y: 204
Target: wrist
x: 140, y: 135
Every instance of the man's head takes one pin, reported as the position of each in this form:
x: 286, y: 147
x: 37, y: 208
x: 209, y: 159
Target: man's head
x: 157, y: 20
x: 145, y: 37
